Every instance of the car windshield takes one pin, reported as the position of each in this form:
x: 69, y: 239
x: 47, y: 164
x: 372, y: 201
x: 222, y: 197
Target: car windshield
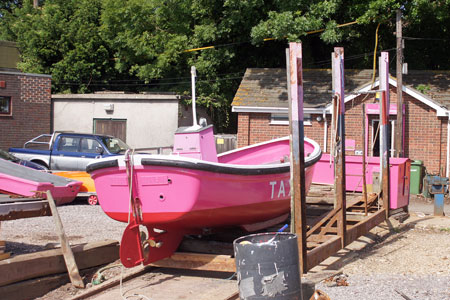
x: 7, y: 156
x: 114, y: 145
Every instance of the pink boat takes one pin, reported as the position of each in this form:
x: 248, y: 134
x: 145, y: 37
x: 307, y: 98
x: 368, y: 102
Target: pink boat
x: 24, y: 181
x: 194, y: 190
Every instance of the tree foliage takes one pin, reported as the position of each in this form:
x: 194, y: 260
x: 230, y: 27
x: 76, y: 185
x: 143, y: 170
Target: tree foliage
x: 138, y: 45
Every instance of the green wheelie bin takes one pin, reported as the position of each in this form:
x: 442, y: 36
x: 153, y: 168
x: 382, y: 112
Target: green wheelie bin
x: 416, y: 177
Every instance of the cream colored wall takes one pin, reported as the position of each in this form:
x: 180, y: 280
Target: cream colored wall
x: 150, y: 123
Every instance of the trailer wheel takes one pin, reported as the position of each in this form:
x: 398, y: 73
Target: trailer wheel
x: 93, y: 200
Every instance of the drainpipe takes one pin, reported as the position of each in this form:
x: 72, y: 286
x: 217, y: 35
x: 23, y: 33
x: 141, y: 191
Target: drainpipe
x: 325, y: 131
x: 448, y: 146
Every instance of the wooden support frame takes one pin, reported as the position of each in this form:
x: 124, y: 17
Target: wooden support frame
x: 338, y: 91
x: 298, y: 191
x: 384, y: 118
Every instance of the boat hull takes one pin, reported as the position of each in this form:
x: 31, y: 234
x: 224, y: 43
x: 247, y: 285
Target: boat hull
x: 206, y: 199
x: 174, y: 195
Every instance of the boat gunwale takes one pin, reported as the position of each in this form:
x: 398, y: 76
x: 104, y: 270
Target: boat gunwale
x: 214, y: 167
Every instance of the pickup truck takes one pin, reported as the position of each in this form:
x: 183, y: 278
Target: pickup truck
x: 69, y: 151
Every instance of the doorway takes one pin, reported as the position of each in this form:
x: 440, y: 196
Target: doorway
x: 376, y: 137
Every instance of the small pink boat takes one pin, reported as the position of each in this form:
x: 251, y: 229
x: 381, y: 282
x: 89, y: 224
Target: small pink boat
x: 24, y: 181
x: 194, y: 190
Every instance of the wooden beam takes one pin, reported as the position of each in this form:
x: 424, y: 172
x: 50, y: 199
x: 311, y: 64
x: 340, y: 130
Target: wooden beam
x: 298, y: 191
x: 338, y: 93
x: 319, y: 254
x: 69, y: 259
x: 399, y: 68
x: 196, y: 261
x: 23, y: 209
x: 33, y: 288
x: 42, y: 263
x: 363, y: 227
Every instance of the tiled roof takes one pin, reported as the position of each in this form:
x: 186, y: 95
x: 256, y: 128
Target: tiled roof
x: 267, y: 87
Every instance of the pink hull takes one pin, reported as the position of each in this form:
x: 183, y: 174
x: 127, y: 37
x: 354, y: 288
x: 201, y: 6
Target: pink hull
x: 245, y: 186
x: 23, y: 181
x: 196, y: 199
x: 193, y: 191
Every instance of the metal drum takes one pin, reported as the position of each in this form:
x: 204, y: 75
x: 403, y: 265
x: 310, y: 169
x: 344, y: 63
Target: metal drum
x: 267, y: 266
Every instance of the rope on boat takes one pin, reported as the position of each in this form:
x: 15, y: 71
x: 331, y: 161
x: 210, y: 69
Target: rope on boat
x: 129, y: 163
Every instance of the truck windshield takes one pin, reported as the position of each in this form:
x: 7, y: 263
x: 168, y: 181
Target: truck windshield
x: 114, y: 145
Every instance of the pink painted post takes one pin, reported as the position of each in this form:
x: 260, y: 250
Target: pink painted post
x: 298, y: 191
x: 339, y: 161
x: 384, y: 119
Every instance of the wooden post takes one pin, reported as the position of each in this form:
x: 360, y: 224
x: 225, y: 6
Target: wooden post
x: 384, y: 136
x: 399, y: 124
x: 339, y: 161
x: 364, y: 187
x: 298, y: 192
x: 71, y: 265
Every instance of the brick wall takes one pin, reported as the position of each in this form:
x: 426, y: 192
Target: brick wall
x: 31, y: 108
x: 425, y: 133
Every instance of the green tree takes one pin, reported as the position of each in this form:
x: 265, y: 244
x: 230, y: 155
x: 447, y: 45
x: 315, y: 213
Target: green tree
x: 141, y: 45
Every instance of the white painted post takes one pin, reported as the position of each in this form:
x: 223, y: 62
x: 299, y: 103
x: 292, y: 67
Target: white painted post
x: 384, y: 123
x: 194, y: 113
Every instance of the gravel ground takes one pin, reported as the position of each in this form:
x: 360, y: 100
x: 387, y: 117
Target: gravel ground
x: 82, y: 223
x: 411, y: 262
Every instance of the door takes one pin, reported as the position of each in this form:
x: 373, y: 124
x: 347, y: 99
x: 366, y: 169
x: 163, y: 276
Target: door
x: 67, y: 153
x: 376, y: 137
x: 90, y: 149
x: 114, y: 127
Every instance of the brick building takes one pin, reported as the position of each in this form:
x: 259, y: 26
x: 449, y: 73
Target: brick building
x: 262, y: 106
x: 25, y: 101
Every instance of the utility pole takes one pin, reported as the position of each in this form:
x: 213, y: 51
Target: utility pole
x: 398, y: 145
x: 35, y: 3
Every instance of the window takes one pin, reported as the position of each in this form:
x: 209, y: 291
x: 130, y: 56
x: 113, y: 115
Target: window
x: 90, y: 146
x: 283, y: 119
x: 69, y: 144
x: 5, y: 105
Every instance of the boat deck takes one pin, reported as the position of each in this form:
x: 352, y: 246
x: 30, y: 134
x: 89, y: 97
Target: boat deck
x: 15, y: 170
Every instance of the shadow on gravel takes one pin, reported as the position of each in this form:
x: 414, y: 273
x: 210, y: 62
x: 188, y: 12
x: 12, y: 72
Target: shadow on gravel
x: 22, y: 248
x: 377, y: 241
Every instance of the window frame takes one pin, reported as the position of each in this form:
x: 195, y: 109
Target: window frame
x: 283, y: 119
x: 9, y: 106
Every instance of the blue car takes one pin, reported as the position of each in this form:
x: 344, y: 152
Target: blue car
x: 8, y: 156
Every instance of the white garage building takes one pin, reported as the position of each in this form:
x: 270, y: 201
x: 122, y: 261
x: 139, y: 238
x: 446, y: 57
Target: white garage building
x: 141, y: 120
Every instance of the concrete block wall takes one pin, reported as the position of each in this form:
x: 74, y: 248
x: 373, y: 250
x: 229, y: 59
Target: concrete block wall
x: 30, y: 106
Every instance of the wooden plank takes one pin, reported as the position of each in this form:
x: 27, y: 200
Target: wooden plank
x: 20, y: 210
x: 365, y: 226
x: 296, y: 126
x: 71, y: 264
x: 5, y: 255
x: 33, y: 288
x: 33, y: 265
x: 319, y: 254
x: 319, y: 238
x: 196, y: 261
